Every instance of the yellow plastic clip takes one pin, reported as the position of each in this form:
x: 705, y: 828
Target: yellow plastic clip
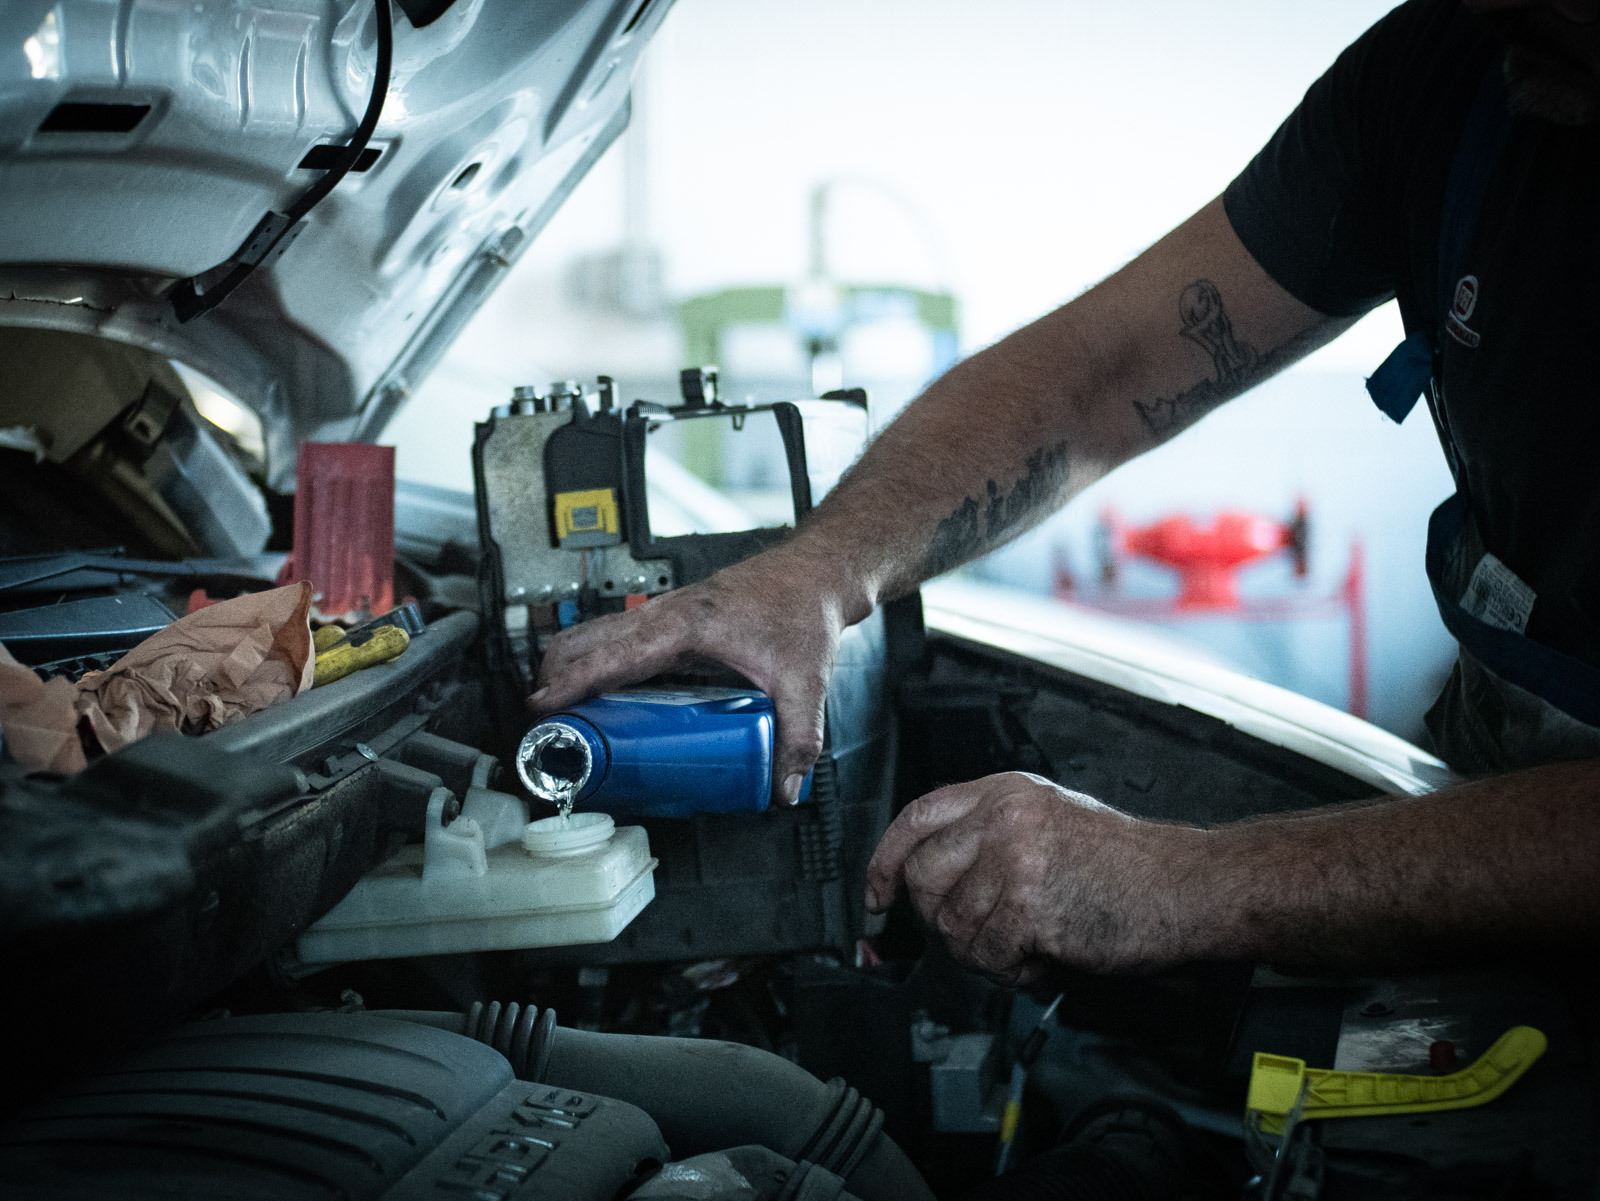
x: 1275, y: 1082
x: 340, y: 660
x: 587, y: 518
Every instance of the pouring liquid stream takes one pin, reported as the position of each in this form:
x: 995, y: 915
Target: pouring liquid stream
x: 563, y: 797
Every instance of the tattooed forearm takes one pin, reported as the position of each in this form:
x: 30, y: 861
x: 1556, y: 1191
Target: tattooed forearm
x: 1205, y: 323
x: 1168, y: 414
x: 982, y: 522
x: 1238, y: 366
x: 973, y: 528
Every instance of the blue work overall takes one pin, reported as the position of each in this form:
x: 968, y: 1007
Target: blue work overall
x: 1415, y: 368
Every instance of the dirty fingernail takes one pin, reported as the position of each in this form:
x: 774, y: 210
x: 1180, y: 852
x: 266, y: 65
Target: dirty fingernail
x: 872, y: 899
x: 791, y: 788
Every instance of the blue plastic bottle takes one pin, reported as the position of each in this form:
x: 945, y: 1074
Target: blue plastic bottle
x: 660, y: 752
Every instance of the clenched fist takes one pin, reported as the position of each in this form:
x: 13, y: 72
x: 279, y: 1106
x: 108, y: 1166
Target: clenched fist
x: 1017, y: 873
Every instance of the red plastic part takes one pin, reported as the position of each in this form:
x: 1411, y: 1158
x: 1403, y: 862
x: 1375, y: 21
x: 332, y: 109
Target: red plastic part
x: 344, y: 526
x: 1207, y: 558
x: 1355, y: 599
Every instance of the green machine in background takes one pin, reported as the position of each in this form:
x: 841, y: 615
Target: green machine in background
x: 818, y: 311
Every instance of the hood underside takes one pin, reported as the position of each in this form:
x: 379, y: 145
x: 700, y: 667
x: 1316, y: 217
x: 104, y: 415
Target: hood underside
x: 142, y: 142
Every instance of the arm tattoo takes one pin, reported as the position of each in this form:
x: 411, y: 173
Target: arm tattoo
x: 972, y: 528
x: 975, y: 526
x: 1205, y: 323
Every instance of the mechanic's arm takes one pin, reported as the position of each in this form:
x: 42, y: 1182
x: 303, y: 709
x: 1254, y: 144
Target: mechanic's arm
x: 1018, y: 874
x: 1006, y: 437
x: 992, y: 447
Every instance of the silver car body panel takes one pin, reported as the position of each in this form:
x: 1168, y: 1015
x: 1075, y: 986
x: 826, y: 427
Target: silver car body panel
x: 494, y: 111
x: 1120, y: 653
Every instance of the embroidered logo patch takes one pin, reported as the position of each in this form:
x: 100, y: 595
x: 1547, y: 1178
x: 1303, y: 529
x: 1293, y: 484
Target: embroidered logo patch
x: 1466, y: 299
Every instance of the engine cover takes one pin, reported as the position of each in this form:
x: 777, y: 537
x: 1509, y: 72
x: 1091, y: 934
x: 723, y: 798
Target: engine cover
x: 296, y: 1107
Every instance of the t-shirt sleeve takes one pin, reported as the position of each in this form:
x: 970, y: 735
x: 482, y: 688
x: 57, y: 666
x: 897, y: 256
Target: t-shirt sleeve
x: 1316, y: 207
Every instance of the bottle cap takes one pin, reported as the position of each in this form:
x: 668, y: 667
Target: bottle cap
x: 555, y: 837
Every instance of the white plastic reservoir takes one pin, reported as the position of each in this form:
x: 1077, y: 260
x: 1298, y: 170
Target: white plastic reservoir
x: 491, y: 881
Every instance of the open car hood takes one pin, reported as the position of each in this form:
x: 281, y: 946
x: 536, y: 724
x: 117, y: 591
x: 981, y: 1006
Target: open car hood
x: 1143, y: 661
x: 140, y: 144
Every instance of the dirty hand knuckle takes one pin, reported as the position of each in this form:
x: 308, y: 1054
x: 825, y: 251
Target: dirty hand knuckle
x: 808, y: 744
x: 916, y: 874
x: 918, y: 813
x: 952, y: 920
x: 1016, y: 813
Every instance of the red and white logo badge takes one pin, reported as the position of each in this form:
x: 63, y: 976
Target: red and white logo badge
x: 1466, y: 299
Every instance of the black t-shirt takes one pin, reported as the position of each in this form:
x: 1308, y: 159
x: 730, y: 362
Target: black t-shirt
x: 1343, y: 206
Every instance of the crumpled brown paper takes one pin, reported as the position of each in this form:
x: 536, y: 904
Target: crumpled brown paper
x: 39, y: 719
x: 202, y: 672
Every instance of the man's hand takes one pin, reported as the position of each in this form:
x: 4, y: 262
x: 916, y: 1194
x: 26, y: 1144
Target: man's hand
x: 1017, y: 873
x: 771, y: 618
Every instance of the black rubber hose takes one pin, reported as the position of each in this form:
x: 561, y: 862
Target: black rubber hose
x: 522, y: 1033
x: 704, y: 1094
x: 188, y: 301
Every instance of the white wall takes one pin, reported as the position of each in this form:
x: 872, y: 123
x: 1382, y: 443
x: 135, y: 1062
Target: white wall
x: 1044, y: 142
x: 1047, y: 141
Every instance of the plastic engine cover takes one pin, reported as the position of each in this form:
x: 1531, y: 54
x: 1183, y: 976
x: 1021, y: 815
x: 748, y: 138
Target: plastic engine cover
x: 292, y: 1107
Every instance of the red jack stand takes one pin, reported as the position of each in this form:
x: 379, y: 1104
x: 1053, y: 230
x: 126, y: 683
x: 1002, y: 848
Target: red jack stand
x: 1208, y: 559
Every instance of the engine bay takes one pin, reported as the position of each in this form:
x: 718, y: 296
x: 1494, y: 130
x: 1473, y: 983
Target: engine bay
x: 191, y: 1008
x: 351, y: 944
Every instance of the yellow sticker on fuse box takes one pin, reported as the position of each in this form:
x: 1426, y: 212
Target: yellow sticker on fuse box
x: 588, y: 518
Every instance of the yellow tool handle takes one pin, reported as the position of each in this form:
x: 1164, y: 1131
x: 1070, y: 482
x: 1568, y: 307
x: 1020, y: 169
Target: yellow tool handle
x: 327, y: 637
x: 386, y: 643
x: 1276, y: 1081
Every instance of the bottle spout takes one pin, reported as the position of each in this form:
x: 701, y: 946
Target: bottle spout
x: 554, y: 762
